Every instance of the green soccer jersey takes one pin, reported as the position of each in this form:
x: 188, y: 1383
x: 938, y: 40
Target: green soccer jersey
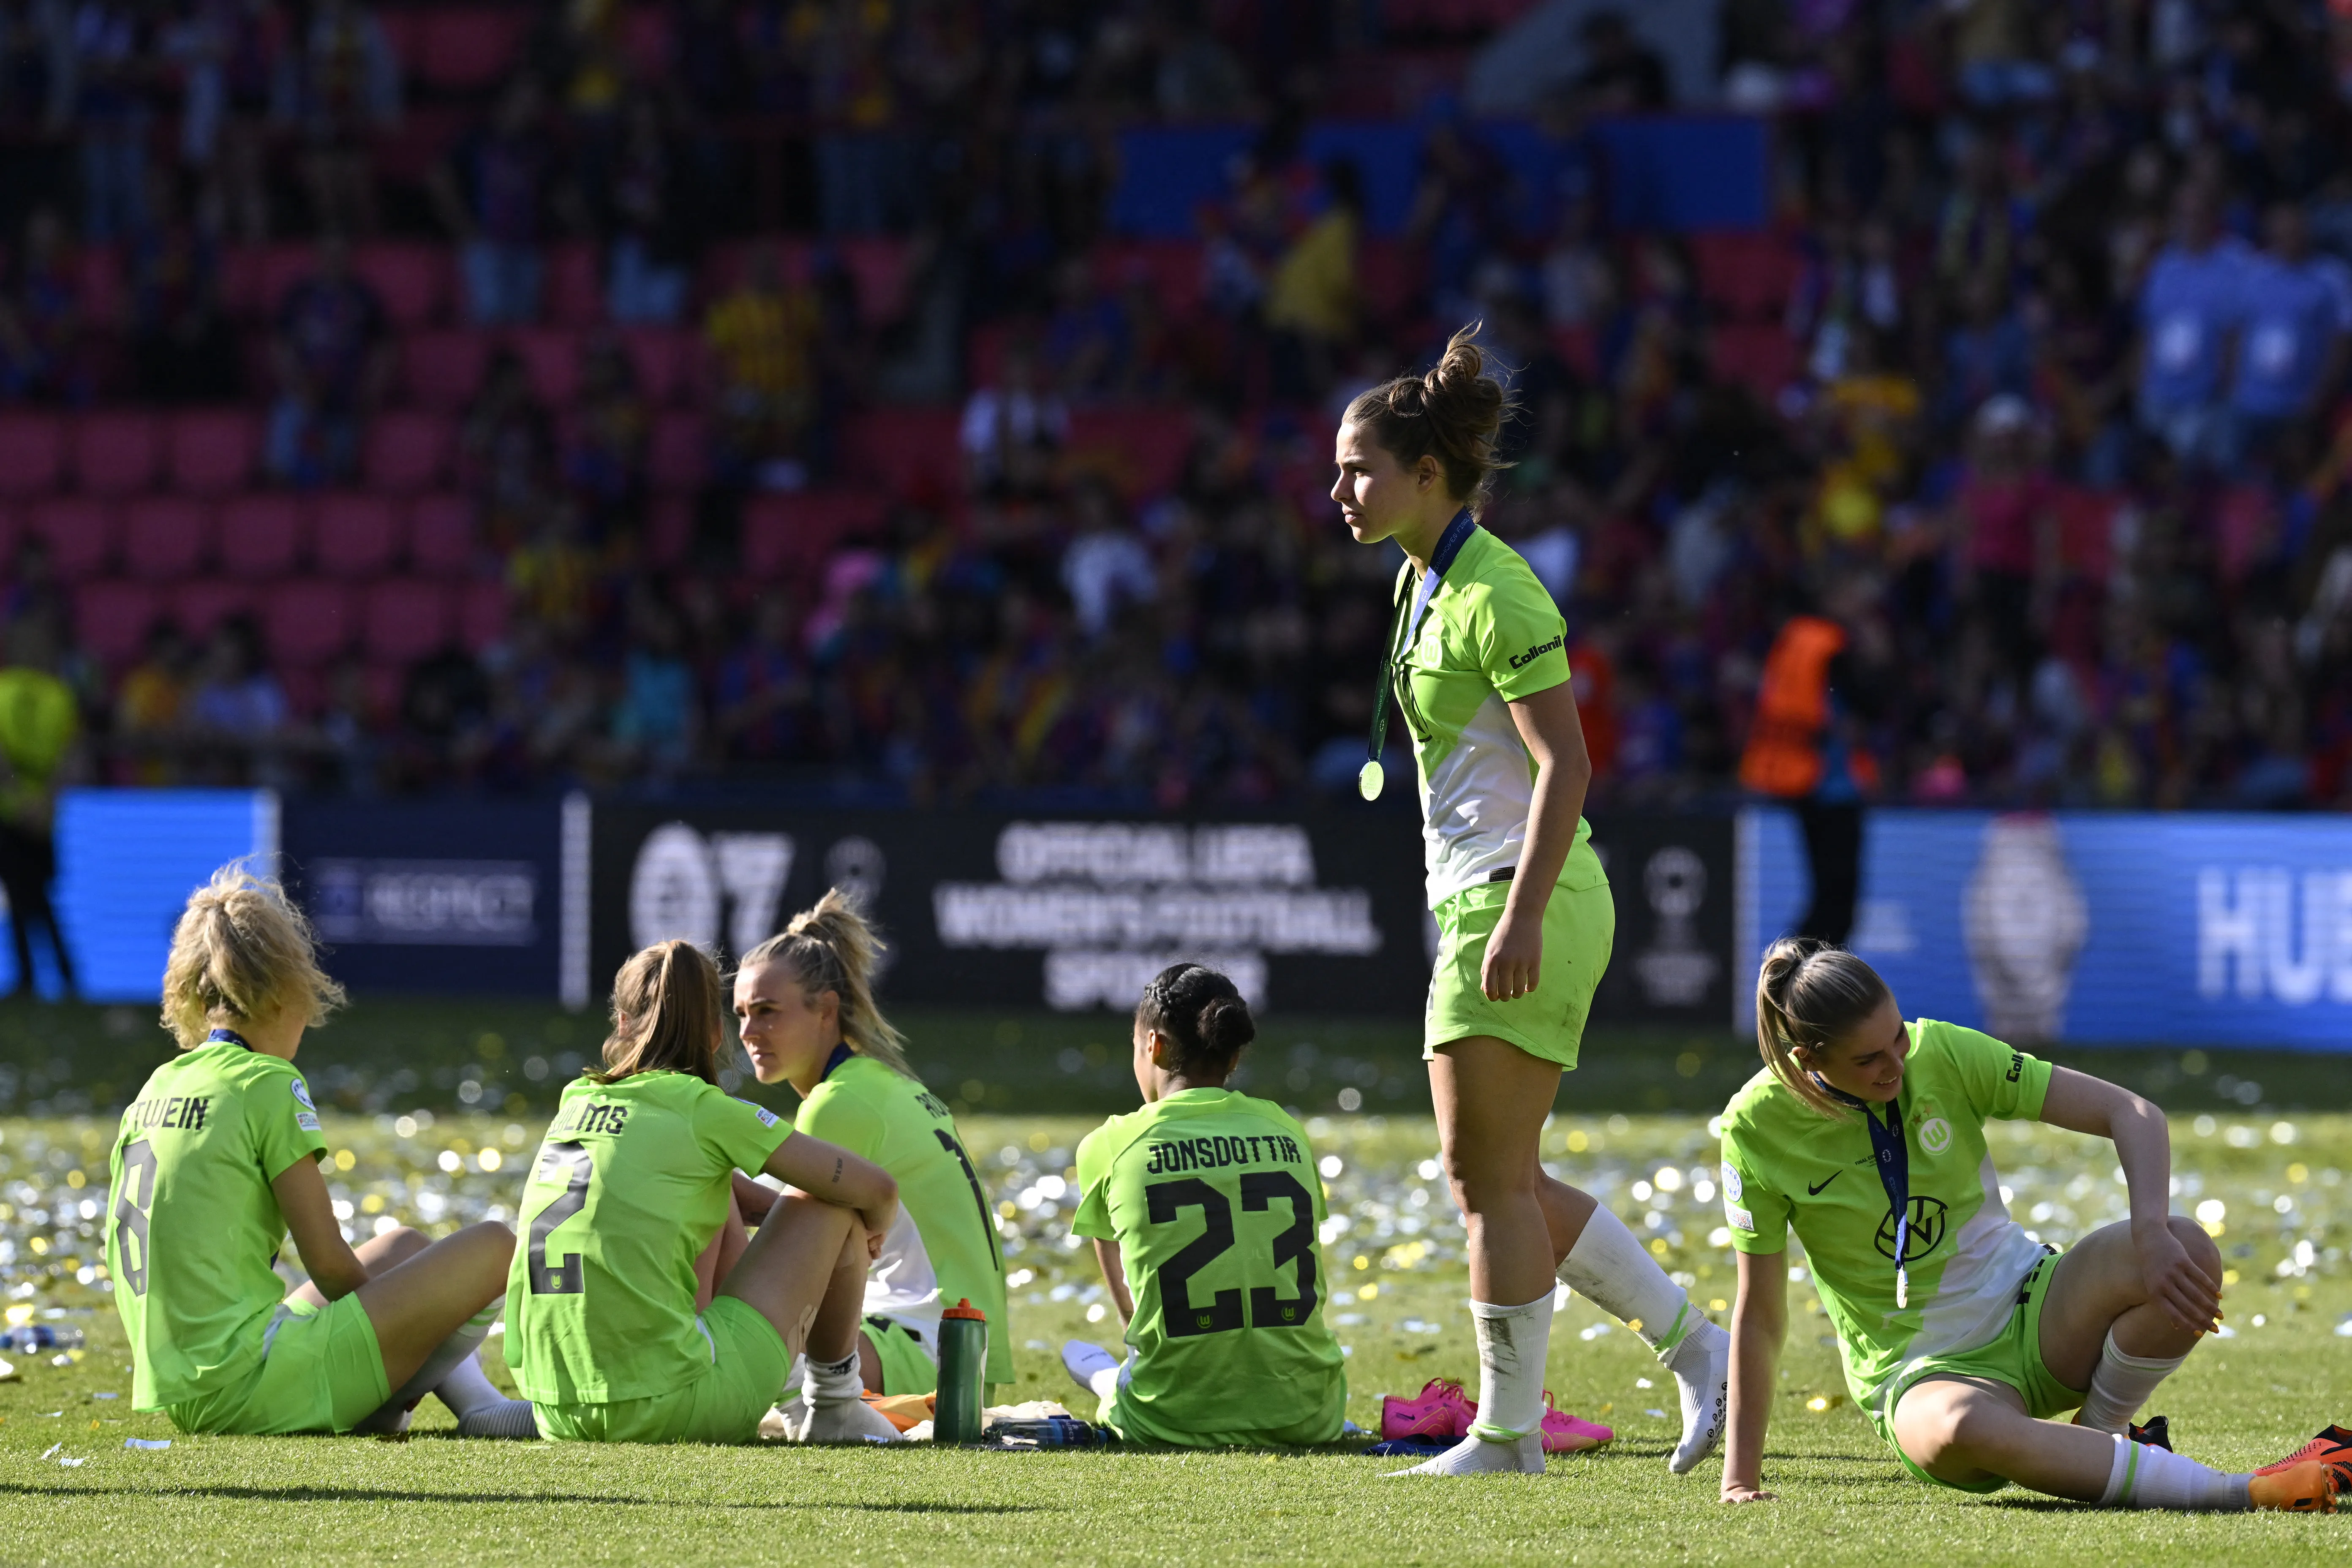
x: 1785, y: 1164
x: 943, y: 1250
x: 631, y: 1183
x: 192, y: 1226
x: 1490, y: 636
x: 1214, y: 1202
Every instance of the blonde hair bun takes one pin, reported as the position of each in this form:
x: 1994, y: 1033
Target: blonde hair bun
x: 242, y: 953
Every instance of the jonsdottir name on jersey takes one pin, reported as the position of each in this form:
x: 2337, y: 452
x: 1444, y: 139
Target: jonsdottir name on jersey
x: 1212, y: 1153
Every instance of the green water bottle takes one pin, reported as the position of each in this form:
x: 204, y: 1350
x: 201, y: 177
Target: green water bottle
x: 958, y: 1408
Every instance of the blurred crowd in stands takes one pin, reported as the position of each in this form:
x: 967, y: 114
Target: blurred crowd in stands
x: 715, y: 391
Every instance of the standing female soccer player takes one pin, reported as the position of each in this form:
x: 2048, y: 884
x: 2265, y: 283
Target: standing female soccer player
x: 613, y: 1334
x: 1203, y: 1208
x: 805, y: 1002
x: 1476, y: 659
x: 1961, y: 1335
x: 218, y: 1159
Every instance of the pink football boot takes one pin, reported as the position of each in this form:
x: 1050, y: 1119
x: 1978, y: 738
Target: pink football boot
x: 1565, y: 1434
x: 1440, y: 1412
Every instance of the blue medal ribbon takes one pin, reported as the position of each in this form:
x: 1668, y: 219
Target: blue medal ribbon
x: 1893, y: 1163
x: 841, y: 1053
x: 1401, y: 633
x: 228, y: 1036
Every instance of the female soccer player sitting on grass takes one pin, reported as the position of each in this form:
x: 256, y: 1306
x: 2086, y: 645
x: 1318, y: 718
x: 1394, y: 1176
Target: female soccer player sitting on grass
x: 1962, y: 1336
x: 1203, y: 1208
x: 615, y: 1333
x: 805, y: 1002
x: 218, y: 1159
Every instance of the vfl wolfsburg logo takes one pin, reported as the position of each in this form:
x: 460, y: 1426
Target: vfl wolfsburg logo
x: 1934, y: 1135
x: 1927, y: 1216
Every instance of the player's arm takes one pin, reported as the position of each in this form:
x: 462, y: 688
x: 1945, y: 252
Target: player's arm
x: 1759, y: 1322
x: 1554, y: 736
x: 2143, y: 1141
x: 753, y: 1199
x: 1114, y: 1275
x: 832, y: 1174
x: 335, y: 1270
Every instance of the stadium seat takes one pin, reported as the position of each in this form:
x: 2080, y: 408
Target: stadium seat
x: 12, y: 527
x: 909, y: 451
x: 210, y: 451
x: 101, y: 293
x: 551, y: 357
x: 116, y: 453
x: 1759, y: 356
x: 407, y: 452
x: 645, y: 41
x: 308, y: 621
x: 404, y: 620
x: 679, y: 457
x: 1141, y: 450
x: 876, y: 264
x: 1745, y: 274
x: 165, y: 538
x: 112, y: 618
x: 1170, y: 269
x: 666, y: 360
x: 282, y: 266
x: 354, y: 535
x: 79, y: 533
x: 2086, y: 532
x: 260, y: 535
x: 788, y: 535
x: 32, y: 452
x: 481, y: 615
x: 204, y: 602
x: 444, y: 369
x: 441, y: 535
x: 670, y: 530
x: 575, y: 284
x: 468, y: 50
x: 413, y: 280
x: 1388, y: 275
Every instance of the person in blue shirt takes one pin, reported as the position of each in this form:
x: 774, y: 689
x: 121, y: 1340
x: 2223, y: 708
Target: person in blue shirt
x: 2291, y: 344
x: 2192, y: 306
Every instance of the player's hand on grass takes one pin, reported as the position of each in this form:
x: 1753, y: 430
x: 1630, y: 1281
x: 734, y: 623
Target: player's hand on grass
x: 1738, y: 1491
x: 1513, y: 958
x: 2176, y: 1285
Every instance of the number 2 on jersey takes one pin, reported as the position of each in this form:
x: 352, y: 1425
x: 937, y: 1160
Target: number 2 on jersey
x: 1295, y: 1244
x: 568, y: 1278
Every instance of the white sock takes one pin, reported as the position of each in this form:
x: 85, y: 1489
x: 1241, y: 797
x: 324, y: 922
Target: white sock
x: 467, y: 1388
x: 833, y: 1383
x: 458, y: 1347
x: 1511, y: 1345
x: 1614, y: 1272
x: 2120, y: 1384
x: 2148, y: 1477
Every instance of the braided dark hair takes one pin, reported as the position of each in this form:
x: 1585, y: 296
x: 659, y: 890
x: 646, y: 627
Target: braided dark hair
x: 1202, y: 1013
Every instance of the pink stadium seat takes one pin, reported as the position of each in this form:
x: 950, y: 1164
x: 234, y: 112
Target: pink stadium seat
x: 680, y: 455
x: 112, y: 618
x: 116, y: 454
x: 1141, y: 450
x: 1170, y: 269
x: 97, y: 279
x: 666, y: 358
x: 12, y: 528
x: 282, y: 266
x: 406, y: 618
x: 307, y: 622
x: 575, y: 284
x: 878, y: 267
x: 907, y: 449
x: 444, y: 369
x: 203, y: 604
x: 79, y: 533
x: 670, y: 531
x: 552, y: 357
x: 468, y: 50
x: 210, y: 451
x: 305, y: 688
x: 32, y: 452
x: 441, y: 535
x: 481, y: 615
x: 261, y: 534
x: 354, y: 535
x: 407, y: 452
x: 412, y: 279
x: 645, y: 40
x: 788, y: 534
x: 243, y: 293
x: 165, y: 538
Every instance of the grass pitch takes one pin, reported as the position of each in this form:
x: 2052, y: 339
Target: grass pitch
x: 71, y: 1492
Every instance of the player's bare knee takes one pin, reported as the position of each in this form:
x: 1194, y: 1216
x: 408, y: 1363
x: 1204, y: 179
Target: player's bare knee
x: 2199, y: 1246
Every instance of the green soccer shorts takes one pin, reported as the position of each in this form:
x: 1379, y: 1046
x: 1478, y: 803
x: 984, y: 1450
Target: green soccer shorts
x: 748, y: 1364
x: 1580, y: 927
x: 320, y: 1371
x: 906, y: 1366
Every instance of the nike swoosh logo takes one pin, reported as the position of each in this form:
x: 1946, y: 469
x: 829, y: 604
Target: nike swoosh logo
x: 1816, y: 1192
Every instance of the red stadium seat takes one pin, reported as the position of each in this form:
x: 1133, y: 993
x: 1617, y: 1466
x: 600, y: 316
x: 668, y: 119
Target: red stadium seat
x: 413, y: 280
x: 210, y: 451
x: 308, y: 621
x: 1170, y: 269
x: 282, y: 266
x: 645, y: 40
x: 667, y: 359
x: 112, y: 618
x: 1141, y: 450
x: 260, y: 535
x: 406, y: 618
x: 877, y: 265
x: 32, y: 453
x: 468, y: 50
x: 354, y: 535
x: 481, y: 615
x: 441, y: 535
x: 408, y: 452
x: 1388, y: 275
x: 444, y: 369
x: 1761, y: 356
x: 244, y: 290
x: 165, y: 538
x: 909, y: 450
x: 575, y: 284
x: 79, y: 533
x: 679, y: 457
x: 1745, y: 274
x: 203, y: 604
x: 551, y: 357
x: 116, y: 454
x: 670, y: 530
x: 100, y: 294
x: 788, y: 534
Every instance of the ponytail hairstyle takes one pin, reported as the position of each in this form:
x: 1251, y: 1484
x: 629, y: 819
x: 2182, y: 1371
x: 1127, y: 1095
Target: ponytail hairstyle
x: 1200, y: 1012
x: 667, y: 1014
x: 242, y: 953
x: 1452, y: 414
x: 1808, y: 992
x: 832, y: 948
